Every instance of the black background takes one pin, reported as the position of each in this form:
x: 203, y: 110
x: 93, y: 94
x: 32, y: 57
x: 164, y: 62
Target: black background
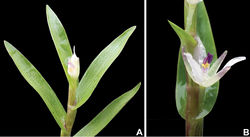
x: 230, y: 25
x: 91, y: 26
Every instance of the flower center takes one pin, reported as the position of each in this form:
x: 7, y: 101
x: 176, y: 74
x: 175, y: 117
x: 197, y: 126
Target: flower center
x: 205, y: 66
x: 207, y: 61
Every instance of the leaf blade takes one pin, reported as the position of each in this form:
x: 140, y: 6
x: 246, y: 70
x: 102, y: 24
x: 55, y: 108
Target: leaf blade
x: 60, y: 39
x: 35, y: 79
x: 107, y: 114
x: 99, y: 66
x: 185, y: 38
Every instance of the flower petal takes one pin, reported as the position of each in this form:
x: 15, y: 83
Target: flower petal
x: 234, y: 61
x: 222, y: 72
x: 199, y: 51
x: 216, y: 65
x: 192, y: 67
x: 209, y: 82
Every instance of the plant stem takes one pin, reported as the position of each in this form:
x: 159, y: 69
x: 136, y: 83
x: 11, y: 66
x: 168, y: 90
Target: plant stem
x: 195, y: 95
x: 71, y: 114
x: 190, y: 18
x: 194, y: 127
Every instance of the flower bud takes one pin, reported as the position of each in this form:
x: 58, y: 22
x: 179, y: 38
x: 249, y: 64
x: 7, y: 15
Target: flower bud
x: 73, y: 65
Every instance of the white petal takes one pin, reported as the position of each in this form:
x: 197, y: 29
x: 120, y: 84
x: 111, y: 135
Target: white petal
x: 209, y: 82
x: 222, y: 72
x: 216, y: 64
x: 199, y: 51
x: 234, y: 61
x: 192, y: 67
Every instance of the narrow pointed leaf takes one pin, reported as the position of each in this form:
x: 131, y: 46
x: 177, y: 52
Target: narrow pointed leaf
x: 60, y: 39
x: 99, y: 66
x: 204, y: 31
x: 186, y: 39
x: 35, y: 79
x: 107, y: 114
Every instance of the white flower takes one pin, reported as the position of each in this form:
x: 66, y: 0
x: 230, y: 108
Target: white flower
x: 198, y: 65
x: 73, y: 65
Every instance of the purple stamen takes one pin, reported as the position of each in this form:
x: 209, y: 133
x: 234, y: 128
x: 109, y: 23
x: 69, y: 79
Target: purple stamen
x: 208, y: 59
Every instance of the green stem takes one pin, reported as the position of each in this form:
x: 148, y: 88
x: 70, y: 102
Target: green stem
x: 71, y: 114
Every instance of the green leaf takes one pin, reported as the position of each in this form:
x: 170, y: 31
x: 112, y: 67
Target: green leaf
x: 185, y: 38
x: 203, y: 29
x: 60, y: 39
x: 107, y: 114
x: 35, y: 79
x: 99, y: 66
x: 205, y: 32
x: 180, y: 89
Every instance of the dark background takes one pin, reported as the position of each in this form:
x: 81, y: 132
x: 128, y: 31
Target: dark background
x: 91, y: 26
x: 230, y: 25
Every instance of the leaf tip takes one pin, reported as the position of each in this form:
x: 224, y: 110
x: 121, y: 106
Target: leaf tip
x: 5, y: 42
x: 174, y: 26
x: 49, y: 10
x: 7, y: 45
x: 136, y: 88
x: 47, y: 7
x: 139, y: 84
x: 170, y: 22
x: 131, y: 29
